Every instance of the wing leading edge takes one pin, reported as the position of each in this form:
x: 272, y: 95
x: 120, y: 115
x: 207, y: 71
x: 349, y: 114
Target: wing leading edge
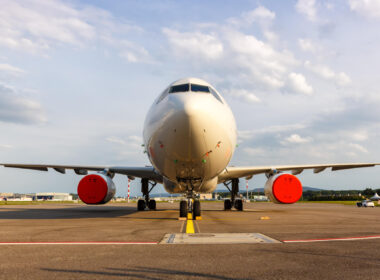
x: 229, y: 173
x: 147, y: 172
x: 248, y: 171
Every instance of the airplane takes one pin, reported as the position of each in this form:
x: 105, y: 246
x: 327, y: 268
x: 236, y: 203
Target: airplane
x: 190, y: 136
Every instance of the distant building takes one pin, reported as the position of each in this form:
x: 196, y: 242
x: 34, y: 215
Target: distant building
x: 52, y: 196
x: 208, y: 196
x: 260, y: 198
x: 15, y: 197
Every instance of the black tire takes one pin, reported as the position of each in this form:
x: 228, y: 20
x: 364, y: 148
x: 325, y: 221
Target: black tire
x: 183, y: 209
x: 196, y: 209
x: 152, y: 204
x: 141, y: 205
x: 239, y: 204
x: 227, y: 204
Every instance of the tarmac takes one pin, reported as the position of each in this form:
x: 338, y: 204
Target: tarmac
x: 114, y: 241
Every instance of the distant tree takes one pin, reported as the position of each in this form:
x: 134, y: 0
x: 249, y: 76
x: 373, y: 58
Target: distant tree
x: 368, y: 192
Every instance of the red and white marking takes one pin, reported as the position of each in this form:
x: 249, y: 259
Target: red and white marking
x: 333, y: 239
x: 79, y: 243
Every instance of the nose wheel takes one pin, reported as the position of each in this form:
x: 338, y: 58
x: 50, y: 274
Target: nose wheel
x: 196, y: 209
x: 191, y: 206
x: 183, y: 209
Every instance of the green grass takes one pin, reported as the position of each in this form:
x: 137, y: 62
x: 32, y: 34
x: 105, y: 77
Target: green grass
x: 34, y: 202
x: 348, y: 202
x: 345, y: 202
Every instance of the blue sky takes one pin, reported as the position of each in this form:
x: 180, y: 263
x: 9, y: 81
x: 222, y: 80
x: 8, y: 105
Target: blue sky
x: 77, y: 78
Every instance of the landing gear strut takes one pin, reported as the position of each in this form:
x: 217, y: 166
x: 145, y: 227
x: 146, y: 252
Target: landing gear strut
x: 146, y: 202
x: 192, y: 205
x: 234, y: 190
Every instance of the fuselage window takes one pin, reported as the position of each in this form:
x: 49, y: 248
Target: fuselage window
x: 199, y: 88
x: 215, y: 94
x: 179, y: 88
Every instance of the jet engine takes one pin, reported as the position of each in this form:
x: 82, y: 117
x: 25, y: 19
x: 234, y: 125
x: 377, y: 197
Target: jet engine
x: 283, y: 188
x: 96, y: 189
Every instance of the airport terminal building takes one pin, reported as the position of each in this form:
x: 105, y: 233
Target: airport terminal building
x: 36, y: 197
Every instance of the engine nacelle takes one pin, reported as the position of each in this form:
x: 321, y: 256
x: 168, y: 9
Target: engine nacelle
x: 283, y: 188
x: 96, y: 189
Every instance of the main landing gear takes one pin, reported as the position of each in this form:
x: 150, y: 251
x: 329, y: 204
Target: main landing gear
x: 147, y: 202
x: 234, y: 190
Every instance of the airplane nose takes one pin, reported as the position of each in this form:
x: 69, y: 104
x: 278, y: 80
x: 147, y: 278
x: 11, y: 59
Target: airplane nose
x: 188, y: 145
x: 192, y: 110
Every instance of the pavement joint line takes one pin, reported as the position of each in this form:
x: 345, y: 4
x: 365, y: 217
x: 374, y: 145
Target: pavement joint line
x: 183, y: 227
x: 332, y: 239
x: 197, y: 227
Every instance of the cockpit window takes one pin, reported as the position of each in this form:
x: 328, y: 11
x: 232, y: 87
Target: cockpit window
x: 199, y: 88
x: 163, y: 95
x: 216, y: 95
x: 179, y: 88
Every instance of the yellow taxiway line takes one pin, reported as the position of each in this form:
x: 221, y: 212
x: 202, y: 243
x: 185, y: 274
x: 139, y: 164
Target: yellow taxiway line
x: 190, y: 224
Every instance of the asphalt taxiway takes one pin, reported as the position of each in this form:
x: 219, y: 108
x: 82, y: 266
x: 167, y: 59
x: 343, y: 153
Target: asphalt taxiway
x: 114, y: 241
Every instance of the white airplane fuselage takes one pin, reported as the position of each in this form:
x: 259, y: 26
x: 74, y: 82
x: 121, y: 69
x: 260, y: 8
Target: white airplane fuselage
x: 190, y: 137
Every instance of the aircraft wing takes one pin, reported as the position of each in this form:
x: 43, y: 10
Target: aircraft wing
x: 248, y: 171
x: 147, y: 172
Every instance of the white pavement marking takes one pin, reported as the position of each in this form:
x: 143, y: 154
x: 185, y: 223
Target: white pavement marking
x: 216, y: 238
x: 333, y: 239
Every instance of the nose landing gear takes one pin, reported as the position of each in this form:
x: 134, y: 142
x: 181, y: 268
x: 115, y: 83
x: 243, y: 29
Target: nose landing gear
x: 191, y: 205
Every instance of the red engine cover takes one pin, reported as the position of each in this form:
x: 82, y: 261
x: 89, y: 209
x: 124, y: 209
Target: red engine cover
x: 92, y: 189
x: 285, y: 188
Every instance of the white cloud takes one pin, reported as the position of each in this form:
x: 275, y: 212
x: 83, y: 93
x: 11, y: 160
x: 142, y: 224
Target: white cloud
x: 296, y: 139
x: 133, y: 52
x: 261, y: 14
x: 243, y: 94
x: 366, y: 8
x: 36, y: 26
x: 307, y: 45
x: 266, y: 65
x: 116, y: 140
x: 359, y: 135
x: 5, y: 146
x: 342, y: 79
x: 18, y: 109
x: 358, y: 147
x: 307, y: 8
x: 207, y: 46
x: 297, y: 82
x: 133, y: 141
x: 254, y: 151
x: 9, y: 69
x: 257, y: 65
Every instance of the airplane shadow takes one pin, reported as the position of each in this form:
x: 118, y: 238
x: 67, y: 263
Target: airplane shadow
x: 66, y: 212
x: 144, y: 273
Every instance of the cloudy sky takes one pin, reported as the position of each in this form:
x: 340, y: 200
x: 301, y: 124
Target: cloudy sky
x: 77, y: 78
